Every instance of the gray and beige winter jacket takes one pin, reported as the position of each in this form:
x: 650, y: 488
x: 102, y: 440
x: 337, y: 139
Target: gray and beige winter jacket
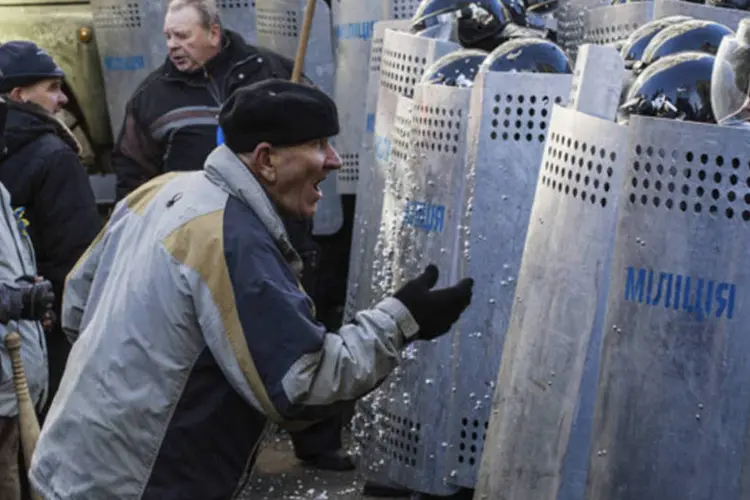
x: 190, y: 333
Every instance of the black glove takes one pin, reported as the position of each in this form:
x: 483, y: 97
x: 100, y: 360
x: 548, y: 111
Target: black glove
x: 26, y: 299
x: 434, y: 311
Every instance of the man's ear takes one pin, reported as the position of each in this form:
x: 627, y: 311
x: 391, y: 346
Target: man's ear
x: 17, y: 94
x: 262, y: 163
x: 214, y: 35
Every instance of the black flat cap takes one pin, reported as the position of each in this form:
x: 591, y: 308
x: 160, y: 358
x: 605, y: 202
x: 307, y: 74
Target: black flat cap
x: 24, y: 63
x: 279, y: 112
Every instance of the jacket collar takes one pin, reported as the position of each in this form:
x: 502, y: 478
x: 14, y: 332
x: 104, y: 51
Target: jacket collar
x: 226, y: 170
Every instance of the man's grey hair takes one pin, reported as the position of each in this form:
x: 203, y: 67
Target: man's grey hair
x: 207, y: 10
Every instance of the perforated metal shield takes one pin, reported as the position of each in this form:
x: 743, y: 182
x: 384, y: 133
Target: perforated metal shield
x: 673, y: 405
x: 400, y: 9
x: 539, y: 433
x: 425, y: 200
x: 729, y: 17
x: 610, y: 24
x: 390, y: 439
x: 131, y: 43
x: 354, y: 22
x: 362, y: 226
x: 509, y: 117
x: 279, y: 26
x: 571, y: 21
x: 404, y: 59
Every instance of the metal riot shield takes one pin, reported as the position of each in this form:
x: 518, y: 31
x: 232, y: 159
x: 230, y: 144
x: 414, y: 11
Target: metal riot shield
x: 399, y: 9
x: 354, y: 21
x: 509, y: 117
x: 359, y: 45
x: 392, y: 437
x: 404, y: 59
x: 614, y: 23
x: 131, y: 44
x: 539, y: 432
x: 279, y: 25
x: 672, y: 416
x: 571, y: 23
x: 424, y: 200
x: 361, y: 225
x: 728, y: 17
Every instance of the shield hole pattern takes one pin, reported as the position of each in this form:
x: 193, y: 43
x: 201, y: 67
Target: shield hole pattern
x: 570, y: 27
x: 521, y: 117
x: 376, y: 52
x: 403, y: 9
x: 401, y: 138
x: 124, y: 16
x: 400, y: 71
x: 439, y: 129
x: 349, y: 167
x: 401, y: 440
x: 234, y: 4
x: 578, y: 169
x: 690, y: 181
x: 473, y: 435
x: 609, y: 34
x: 274, y: 22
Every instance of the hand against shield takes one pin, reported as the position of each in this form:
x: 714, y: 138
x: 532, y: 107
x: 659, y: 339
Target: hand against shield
x: 435, y: 311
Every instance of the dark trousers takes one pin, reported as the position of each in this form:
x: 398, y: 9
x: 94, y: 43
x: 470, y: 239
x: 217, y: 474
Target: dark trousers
x: 324, y: 278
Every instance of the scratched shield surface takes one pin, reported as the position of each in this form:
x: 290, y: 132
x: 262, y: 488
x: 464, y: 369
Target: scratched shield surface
x: 131, y: 43
x: 673, y: 408
x: 571, y: 23
x: 366, y: 170
x: 279, y: 26
x: 426, y: 201
x: 403, y: 61
x: 610, y: 24
x: 354, y: 22
x: 507, y: 126
x: 540, y: 426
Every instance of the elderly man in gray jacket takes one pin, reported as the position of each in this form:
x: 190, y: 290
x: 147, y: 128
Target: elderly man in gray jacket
x: 16, y: 262
x: 191, y: 329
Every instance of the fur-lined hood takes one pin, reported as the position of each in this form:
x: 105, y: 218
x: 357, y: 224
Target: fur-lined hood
x: 27, y: 122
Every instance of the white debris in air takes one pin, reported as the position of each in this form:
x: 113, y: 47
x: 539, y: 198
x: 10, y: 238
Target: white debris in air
x: 463, y: 81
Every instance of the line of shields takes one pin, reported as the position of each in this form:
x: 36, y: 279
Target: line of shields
x: 604, y: 215
x: 566, y: 156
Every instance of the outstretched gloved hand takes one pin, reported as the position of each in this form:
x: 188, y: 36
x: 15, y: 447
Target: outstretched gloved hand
x: 435, y: 311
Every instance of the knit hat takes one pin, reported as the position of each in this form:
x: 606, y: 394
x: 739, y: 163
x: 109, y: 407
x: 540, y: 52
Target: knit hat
x: 279, y: 112
x: 24, y: 63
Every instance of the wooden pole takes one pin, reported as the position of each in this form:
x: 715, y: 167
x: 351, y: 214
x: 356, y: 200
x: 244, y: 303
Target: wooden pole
x: 299, y: 61
x: 27, y: 421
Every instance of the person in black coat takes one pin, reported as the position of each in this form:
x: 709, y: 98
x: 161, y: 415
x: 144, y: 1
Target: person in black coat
x: 49, y: 187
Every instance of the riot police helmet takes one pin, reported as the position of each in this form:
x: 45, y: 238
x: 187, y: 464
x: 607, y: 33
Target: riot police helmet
x: 528, y: 55
x: 694, y: 35
x: 633, y: 47
x: 457, y: 69
x: 730, y: 82
x: 479, y: 23
x: 677, y: 86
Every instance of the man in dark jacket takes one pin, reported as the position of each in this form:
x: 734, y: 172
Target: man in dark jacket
x: 49, y: 187
x: 171, y: 125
